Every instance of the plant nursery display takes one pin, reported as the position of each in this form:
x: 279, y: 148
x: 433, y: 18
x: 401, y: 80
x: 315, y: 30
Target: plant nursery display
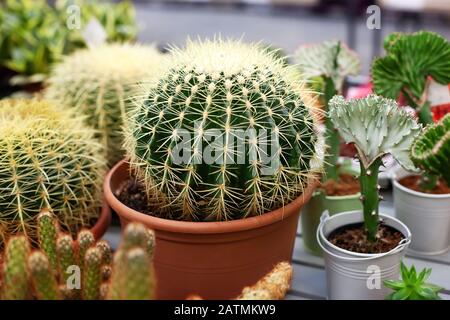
x: 326, y: 65
x: 412, y: 285
x: 412, y: 60
x: 50, y: 159
x: 93, y: 83
x: 35, y: 34
x: 223, y: 154
x: 355, y: 240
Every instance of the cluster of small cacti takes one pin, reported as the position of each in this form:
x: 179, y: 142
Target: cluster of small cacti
x: 63, y: 268
x: 211, y: 92
x: 98, y: 82
x: 48, y: 159
x: 377, y: 127
x: 431, y: 149
x: 326, y: 65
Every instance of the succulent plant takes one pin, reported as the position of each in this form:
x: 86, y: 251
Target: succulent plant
x: 49, y: 159
x: 186, y: 134
x: 377, y: 127
x: 412, y: 286
x: 27, y: 275
x: 431, y: 149
x: 35, y: 34
x: 93, y: 83
x: 410, y: 60
x: 326, y: 65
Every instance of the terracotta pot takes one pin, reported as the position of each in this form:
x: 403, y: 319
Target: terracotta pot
x: 212, y: 259
x: 103, y: 222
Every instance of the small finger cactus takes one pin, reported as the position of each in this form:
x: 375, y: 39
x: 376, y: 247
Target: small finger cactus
x: 225, y: 133
x: 377, y: 127
x: 48, y: 159
x: 98, y: 83
x: 330, y: 62
x: 431, y: 149
x: 129, y: 275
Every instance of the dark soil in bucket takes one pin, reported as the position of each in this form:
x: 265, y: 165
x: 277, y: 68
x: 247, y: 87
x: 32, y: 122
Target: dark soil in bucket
x: 132, y: 194
x: 354, y: 238
x: 412, y: 182
x: 345, y: 186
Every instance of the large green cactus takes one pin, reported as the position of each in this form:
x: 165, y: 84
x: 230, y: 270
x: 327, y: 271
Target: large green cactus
x: 431, y: 149
x: 196, y: 142
x: 331, y: 62
x: 48, y: 159
x: 377, y: 127
x: 97, y: 83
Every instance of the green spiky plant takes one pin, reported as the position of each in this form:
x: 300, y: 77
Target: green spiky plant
x: 326, y: 65
x: 377, y: 127
x: 431, y: 149
x: 412, y: 286
x: 93, y: 83
x: 212, y: 90
x: 26, y: 275
x: 411, y: 59
x: 49, y: 159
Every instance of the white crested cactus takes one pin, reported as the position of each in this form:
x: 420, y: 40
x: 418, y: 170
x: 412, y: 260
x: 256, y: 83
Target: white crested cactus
x: 48, y: 159
x: 326, y: 65
x: 196, y: 137
x: 98, y: 82
x: 377, y: 127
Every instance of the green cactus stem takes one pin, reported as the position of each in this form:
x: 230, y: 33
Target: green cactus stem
x: 330, y: 62
x: 85, y: 240
x: 66, y: 255
x: 431, y: 149
x: 139, y: 281
x: 137, y: 235
x: 42, y: 275
x: 14, y: 269
x: 47, y: 233
x: 92, y: 276
x: 212, y: 92
x: 377, y: 127
x: 106, y: 251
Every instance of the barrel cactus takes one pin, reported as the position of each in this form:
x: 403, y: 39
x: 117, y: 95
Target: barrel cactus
x: 226, y: 132
x: 98, y: 82
x: 431, y: 149
x: 377, y: 127
x: 48, y: 159
x: 326, y: 65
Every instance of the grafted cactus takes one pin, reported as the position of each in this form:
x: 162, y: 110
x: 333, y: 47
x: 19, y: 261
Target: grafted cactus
x: 330, y: 62
x: 98, y: 82
x: 410, y: 59
x: 48, y: 159
x: 195, y: 137
x: 377, y: 127
x: 431, y: 149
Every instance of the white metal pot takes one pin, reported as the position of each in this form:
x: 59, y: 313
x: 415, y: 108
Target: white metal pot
x: 427, y: 215
x: 359, y: 276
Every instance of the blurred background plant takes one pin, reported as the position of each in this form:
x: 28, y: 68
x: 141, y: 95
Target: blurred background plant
x: 34, y: 34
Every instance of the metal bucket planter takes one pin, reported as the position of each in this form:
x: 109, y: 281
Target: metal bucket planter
x: 359, y: 276
x: 313, y: 210
x: 427, y: 215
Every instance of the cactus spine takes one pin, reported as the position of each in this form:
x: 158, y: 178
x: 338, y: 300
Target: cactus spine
x: 97, y: 83
x: 431, y: 149
x: 331, y: 61
x: 48, y: 159
x: 377, y: 127
x: 218, y: 96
